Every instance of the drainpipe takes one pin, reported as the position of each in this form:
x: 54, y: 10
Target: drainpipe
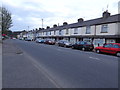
x: 94, y: 34
x: 95, y: 31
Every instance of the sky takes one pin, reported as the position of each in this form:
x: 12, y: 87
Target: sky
x: 28, y: 14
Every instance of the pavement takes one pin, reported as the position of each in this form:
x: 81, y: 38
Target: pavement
x: 18, y: 72
x: 0, y: 65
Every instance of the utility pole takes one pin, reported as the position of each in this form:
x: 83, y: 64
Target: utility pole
x: 42, y: 23
x: 28, y: 28
x: 107, y: 7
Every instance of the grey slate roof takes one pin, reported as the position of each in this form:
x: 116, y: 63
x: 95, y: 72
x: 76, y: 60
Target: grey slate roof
x: 98, y: 21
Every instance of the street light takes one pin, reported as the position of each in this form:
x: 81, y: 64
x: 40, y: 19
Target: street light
x: 42, y: 23
x: 28, y: 28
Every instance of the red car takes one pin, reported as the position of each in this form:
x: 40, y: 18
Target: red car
x: 50, y: 42
x: 111, y: 48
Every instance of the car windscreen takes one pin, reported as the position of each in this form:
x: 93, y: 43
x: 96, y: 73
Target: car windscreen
x: 88, y: 43
x: 116, y: 46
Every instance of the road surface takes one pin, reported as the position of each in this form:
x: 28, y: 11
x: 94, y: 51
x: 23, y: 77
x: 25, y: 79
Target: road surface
x: 50, y: 66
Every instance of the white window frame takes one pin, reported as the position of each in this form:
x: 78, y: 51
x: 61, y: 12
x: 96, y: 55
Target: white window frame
x: 54, y: 32
x: 60, y: 32
x: 104, y: 28
x: 75, y: 30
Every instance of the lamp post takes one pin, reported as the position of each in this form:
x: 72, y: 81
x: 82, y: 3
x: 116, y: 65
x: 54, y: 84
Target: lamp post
x: 28, y: 28
x: 42, y: 23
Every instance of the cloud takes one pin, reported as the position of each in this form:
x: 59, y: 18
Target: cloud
x: 30, y: 12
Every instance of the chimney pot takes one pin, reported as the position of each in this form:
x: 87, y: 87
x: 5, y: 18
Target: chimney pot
x: 54, y: 25
x: 48, y: 27
x: 106, y: 14
x: 65, y: 23
x: 80, y: 20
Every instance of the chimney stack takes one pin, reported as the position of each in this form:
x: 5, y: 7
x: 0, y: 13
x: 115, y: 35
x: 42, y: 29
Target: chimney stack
x: 80, y: 20
x: 65, y: 23
x: 47, y: 27
x: 106, y: 14
x: 40, y: 28
x: 54, y: 25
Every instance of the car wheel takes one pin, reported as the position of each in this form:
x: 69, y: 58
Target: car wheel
x: 118, y: 54
x: 65, y: 46
x: 97, y: 51
x: 72, y: 47
x: 83, y: 49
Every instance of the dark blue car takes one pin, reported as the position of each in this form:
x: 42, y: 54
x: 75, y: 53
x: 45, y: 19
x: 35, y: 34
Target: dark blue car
x: 83, y: 45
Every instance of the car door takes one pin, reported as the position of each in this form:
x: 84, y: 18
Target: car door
x: 107, y: 48
x: 81, y: 45
x: 77, y: 45
x: 115, y: 49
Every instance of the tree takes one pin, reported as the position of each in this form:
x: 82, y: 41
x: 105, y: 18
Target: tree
x: 6, y: 20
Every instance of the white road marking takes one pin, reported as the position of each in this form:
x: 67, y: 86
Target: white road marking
x: 59, y: 49
x: 94, y: 58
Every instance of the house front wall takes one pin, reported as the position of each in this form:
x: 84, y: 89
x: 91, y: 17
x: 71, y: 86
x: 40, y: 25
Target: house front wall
x: 52, y: 33
x: 57, y: 32
x: 73, y: 40
x: 112, y: 29
x: 118, y: 28
x: 98, y: 42
x: 92, y: 30
x: 72, y: 31
x: 66, y: 32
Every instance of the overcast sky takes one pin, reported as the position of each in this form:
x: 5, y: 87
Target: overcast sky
x: 31, y: 12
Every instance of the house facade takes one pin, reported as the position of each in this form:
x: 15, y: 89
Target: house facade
x: 98, y: 31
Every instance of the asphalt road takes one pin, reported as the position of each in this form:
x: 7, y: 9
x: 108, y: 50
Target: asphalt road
x: 60, y: 67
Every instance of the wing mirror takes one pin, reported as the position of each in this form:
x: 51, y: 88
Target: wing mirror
x: 104, y: 45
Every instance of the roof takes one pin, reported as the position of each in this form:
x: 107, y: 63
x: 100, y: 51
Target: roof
x: 98, y: 21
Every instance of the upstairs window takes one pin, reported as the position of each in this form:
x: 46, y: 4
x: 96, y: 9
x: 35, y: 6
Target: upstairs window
x: 104, y: 28
x: 116, y: 46
x: 46, y: 33
x: 88, y: 30
x: 43, y: 33
x: 76, y: 31
x: 54, y: 32
x: 60, y: 32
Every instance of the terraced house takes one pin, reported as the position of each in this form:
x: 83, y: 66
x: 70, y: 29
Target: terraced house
x: 99, y: 31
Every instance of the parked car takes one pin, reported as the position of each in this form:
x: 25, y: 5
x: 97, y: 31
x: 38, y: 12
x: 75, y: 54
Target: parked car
x: 50, y: 42
x: 28, y: 39
x: 39, y: 40
x: 21, y: 38
x: 64, y: 43
x: 13, y: 38
x: 110, y: 48
x: 83, y: 45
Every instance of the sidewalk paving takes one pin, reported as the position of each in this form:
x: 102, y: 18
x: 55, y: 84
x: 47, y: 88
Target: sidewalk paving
x: 0, y: 65
x: 19, y: 71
